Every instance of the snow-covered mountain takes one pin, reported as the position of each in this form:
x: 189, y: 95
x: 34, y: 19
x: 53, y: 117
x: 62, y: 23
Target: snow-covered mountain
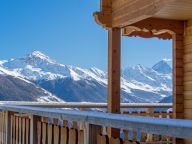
x: 13, y: 87
x: 70, y: 83
x: 162, y: 67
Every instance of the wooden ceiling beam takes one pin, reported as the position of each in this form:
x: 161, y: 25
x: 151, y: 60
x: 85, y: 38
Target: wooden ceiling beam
x: 120, y: 13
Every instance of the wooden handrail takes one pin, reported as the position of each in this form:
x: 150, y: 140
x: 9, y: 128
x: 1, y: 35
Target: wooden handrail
x: 85, y: 104
x: 169, y: 127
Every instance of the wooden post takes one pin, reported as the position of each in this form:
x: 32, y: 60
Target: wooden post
x: 114, y: 64
x: 178, y: 77
x: 8, y: 127
x: 33, y: 129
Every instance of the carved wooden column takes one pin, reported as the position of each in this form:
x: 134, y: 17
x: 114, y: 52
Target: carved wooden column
x: 114, y: 64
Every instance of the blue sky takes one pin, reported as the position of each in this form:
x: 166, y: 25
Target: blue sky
x: 66, y: 31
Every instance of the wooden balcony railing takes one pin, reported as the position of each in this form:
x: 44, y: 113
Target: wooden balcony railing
x: 38, y: 123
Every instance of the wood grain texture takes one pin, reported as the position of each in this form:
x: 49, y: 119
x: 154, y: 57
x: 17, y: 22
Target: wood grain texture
x: 114, y: 64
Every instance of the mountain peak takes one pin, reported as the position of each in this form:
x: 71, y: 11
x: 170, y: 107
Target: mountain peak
x: 41, y: 56
x: 162, y: 67
x: 38, y: 54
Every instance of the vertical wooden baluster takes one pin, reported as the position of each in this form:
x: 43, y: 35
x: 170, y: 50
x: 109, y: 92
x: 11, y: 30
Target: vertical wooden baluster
x: 27, y: 131
x: 44, y: 132
x: 8, y: 125
x: 39, y: 132
x: 115, y: 141
x: 56, y: 131
x: 33, y: 128
x: 50, y: 134
x: 17, y: 129
x: 3, y: 128
x: 14, y: 129
x: 81, y: 137
x: 20, y: 130
x: 11, y: 130
x: 23, y: 130
x: 64, y: 134
x: 56, y: 134
x: 102, y: 139
x: 73, y: 136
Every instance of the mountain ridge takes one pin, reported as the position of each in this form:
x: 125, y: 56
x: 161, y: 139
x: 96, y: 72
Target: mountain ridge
x: 138, y: 84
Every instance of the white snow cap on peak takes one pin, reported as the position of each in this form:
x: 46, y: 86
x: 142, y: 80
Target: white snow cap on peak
x: 167, y: 60
x: 38, y: 54
x: 42, y: 56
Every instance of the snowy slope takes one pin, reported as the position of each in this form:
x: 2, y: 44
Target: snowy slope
x: 14, y: 87
x: 70, y: 83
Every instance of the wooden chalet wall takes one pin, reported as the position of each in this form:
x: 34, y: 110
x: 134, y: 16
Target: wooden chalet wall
x: 188, y: 71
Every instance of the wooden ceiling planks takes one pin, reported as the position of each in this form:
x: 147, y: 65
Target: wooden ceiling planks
x: 178, y: 10
x: 131, y: 11
x: 121, y: 13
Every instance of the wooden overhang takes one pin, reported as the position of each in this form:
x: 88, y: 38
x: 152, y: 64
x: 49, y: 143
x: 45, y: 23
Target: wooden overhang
x: 144, y: 18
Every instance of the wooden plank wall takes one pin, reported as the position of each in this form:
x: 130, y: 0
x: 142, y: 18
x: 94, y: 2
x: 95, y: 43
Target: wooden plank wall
x: 188, y: 72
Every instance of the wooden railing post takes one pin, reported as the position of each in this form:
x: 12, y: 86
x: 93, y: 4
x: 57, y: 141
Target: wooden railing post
x: 8, y: 127
x: 33, y: 128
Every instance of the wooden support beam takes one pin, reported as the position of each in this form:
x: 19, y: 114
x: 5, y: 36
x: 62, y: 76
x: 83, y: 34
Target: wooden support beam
x: 114, y: 56
x: 154, y: 27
